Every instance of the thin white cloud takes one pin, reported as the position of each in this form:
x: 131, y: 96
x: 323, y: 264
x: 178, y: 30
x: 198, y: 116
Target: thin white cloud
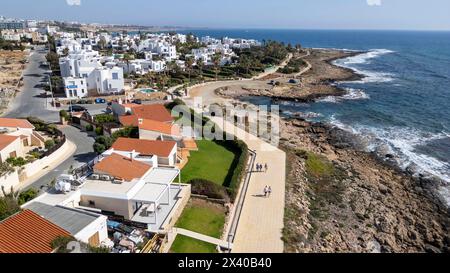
x: 73, y: 2
x: 374, y: 2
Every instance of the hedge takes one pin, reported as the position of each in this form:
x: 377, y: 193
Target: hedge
x: 208, y: 188
x: 238, y: 166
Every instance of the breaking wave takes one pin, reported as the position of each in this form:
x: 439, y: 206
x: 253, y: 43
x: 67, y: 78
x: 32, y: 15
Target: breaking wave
x: 352, y: 94
x: 402, y: 143
x: 366, y: 58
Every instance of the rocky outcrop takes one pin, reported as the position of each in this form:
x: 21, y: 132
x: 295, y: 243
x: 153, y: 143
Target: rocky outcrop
x: 379, y: 208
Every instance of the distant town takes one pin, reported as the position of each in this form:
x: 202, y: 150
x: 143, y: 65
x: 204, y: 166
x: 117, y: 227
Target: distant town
x: 90, y: 145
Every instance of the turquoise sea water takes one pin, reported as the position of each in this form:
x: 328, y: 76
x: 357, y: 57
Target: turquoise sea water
x: 403, y: 103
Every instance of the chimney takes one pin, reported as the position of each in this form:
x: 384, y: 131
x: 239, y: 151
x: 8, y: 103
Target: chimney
x: 131, y: 156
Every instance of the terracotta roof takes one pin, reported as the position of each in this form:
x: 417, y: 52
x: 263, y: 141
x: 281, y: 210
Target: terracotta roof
x: 144, y: 147
x: 27, y: 232
x: 152, y: 111
x: 15, y: 123
x: 122, y: 167
x: 6, y: 140
x: 161, y: 127
x: 129, y: 120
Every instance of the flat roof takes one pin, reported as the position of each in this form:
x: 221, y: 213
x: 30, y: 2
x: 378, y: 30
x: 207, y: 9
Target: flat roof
x: 150, y: 193
x: 107, y: 188
x: 69, y: 219
x: 163, y: 176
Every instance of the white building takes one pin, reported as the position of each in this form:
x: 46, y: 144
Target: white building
x: 108, y: 80
x: 82, y: 72
x: 75, y: 87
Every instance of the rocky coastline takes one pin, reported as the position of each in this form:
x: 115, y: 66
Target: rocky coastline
x: 367, y: 205
x: 339, y: 197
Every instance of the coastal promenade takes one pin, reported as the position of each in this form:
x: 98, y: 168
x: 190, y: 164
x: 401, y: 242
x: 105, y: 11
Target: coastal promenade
x: 261, y: 220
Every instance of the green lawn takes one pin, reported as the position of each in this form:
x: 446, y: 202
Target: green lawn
x: 183, y: 244
x: 203, y: 218
x: 211, y: 162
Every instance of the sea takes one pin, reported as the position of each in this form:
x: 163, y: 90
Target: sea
x: 401, y: 106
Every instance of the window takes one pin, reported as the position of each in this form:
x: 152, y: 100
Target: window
x: 115, y: 76
x: 81, y: 82
x: 91, y: 203
x: 82, y: 91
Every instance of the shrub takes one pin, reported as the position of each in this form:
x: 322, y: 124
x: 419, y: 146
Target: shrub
x: 99, y: 148
x: 49, y: 144
x: 27, y: 196
x: 16, y: 161
x: 64, y: 114
x: 208, y: 188
x: 99, y: 130
x: 89, y: 128
x: 60, y: 243
x: 104, y: 118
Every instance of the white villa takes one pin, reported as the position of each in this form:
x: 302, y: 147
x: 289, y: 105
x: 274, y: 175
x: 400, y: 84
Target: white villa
x: 82, y: 72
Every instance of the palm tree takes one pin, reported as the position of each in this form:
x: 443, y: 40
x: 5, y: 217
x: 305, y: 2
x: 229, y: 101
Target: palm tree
x: 216, y: 63
x: 189, y: 62
x: 200, y: 65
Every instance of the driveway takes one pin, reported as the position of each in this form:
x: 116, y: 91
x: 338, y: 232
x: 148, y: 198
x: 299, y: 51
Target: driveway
x: 29, y: 103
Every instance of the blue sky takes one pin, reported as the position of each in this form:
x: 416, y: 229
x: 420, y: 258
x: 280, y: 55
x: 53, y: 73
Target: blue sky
x: 295, y: 14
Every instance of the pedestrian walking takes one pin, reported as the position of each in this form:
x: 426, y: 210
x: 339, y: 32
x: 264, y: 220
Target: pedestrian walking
x: 266, y: 167
x: 269, y: 191
x: 266, y: 191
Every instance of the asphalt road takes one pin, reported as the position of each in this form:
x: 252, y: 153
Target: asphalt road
x: 29, y: 102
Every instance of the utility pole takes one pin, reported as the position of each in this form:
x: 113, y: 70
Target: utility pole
x: 50, y: 76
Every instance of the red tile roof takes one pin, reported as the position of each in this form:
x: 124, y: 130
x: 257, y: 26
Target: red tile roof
x: 160, y: 127
x: 144, y: 147
x: 122, y: 167
x: 27, y: 232
x: 129, y: 120
x: 6, y: 140
x: 154, y: 112
x: 15, y: 123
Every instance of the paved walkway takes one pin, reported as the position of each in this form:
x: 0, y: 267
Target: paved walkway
x: 261, y: 221
x: 201, y: 237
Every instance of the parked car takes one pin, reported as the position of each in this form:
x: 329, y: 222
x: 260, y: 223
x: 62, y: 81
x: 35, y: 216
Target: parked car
x: 77, y: 108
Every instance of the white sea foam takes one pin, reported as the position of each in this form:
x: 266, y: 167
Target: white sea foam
x: 352, y: 94
x: 366, y: 58
x: 402, y: 143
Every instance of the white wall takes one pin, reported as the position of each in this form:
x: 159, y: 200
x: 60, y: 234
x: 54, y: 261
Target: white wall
x: 8, y: 181
x: 15, y: 146
x: 99, y: 225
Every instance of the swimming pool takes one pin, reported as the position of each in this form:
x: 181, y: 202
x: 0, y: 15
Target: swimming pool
x: 148, y: 90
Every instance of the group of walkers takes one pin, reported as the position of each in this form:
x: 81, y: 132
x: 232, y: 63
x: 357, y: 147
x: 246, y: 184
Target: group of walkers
x: 267, y: 191
x: 264, y: 168
x: 260, y: 167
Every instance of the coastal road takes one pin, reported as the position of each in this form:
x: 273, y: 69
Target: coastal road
x: 28, y: 102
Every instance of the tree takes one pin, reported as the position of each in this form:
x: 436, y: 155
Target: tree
x: 9, y: 203
x: 49, y: 144
x: 189, y: 62
x: 216, y: 63
x: 200, y: 66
